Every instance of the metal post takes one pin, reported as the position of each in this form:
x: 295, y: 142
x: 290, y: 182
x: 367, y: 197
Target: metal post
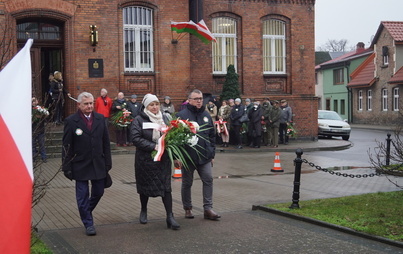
x: 297, y: 179
x: 388, y: 149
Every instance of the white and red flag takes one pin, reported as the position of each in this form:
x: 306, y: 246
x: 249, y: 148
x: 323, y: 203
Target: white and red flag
x: 200, y: 30
x: 16, y: 173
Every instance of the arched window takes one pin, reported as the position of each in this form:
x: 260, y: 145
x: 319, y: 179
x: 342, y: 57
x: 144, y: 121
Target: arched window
x: 224, y: 50
x: 138, y: 39
x: 274, y: 46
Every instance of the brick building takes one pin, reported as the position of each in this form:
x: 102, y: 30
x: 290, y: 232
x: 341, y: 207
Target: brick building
x: 270, y: 43
x: 377, y: 83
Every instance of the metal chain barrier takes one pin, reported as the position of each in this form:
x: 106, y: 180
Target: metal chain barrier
x: 339, y: 173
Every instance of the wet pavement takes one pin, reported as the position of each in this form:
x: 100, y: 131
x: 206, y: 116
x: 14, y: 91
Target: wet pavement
x: 242, y: 179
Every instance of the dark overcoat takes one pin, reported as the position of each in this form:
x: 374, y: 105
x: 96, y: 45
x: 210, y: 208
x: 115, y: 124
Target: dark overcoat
x: 236, y: 114
x: 86, y: 153
x: 255, y: 124
x: 153, y: 178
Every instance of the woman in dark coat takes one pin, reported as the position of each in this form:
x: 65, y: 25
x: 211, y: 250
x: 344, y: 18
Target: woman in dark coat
x: 153, y: 178
x: 255, y: 124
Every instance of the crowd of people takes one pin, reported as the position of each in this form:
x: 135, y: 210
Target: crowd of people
x: 253, y: 124
x: 226, y: 122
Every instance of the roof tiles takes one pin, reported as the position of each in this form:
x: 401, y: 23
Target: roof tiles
x: 398, y: 77
x: 395, y: 28
x: 364, y: 75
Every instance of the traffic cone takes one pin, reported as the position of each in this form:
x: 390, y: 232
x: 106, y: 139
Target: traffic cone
x: 177, y: 173
x: 277, y: 164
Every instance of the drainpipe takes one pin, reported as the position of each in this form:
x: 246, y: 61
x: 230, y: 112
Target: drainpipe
x: 350, y: 103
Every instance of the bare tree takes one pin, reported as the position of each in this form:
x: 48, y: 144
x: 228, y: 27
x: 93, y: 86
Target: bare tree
x: 333, y: 45
x: 7, y: 41
x: 389, y: 160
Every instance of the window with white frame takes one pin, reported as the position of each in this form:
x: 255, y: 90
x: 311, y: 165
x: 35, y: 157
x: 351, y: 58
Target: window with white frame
x: 138, y: 39
x: 385, y: 55
x: 359, y: 103
x: 274, y: 46
x: 224, y: 50
x: 384, y: 100
x: 369, y: 100
x: 396, y: 99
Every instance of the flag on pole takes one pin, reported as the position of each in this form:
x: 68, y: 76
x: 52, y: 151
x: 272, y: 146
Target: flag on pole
x: 200, y: 30
x: 204, y: 33
x: 16, y: 173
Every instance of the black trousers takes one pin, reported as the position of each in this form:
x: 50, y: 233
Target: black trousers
x: 283, y: 133
x: 237, y: 135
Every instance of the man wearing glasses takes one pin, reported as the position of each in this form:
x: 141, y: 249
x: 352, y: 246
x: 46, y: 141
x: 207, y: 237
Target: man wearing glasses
x: 203, y: 159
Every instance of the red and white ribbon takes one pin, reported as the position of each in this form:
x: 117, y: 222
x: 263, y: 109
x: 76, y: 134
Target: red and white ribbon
x: 161, y: 140
x: 220, y: 123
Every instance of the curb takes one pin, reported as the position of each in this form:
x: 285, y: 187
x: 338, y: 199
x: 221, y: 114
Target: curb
x: 329, y: 225
x: 282, y: 149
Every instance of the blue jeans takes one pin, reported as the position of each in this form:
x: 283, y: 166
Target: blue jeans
x: 38, y: 141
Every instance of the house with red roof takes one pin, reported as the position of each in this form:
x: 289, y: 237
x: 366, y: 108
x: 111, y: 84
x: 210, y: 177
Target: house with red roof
x: 376, y: 85
x: 332, y: 78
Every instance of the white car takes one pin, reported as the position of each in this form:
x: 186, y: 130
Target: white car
x: 330, y: 124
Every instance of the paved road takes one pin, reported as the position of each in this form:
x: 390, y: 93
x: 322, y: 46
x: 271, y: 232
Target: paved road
x: 241, y: 181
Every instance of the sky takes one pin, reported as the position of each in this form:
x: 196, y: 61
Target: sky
x: 353, y: 20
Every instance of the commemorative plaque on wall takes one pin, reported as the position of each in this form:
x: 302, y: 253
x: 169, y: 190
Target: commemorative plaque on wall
x: 96, y: 68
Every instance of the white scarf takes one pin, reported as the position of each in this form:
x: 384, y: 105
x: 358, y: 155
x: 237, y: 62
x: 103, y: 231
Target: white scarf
x: 155, y: 119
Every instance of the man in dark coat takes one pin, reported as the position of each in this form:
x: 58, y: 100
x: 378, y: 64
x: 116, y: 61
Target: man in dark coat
x: 236, y: 113
x: 202, y: 160
x: 86, y: 156
x: 255, y: 124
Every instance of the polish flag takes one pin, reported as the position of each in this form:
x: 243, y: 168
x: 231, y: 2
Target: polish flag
x: 16, y: 174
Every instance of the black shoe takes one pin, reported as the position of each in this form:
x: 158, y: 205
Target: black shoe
x: 90, y: 231
x: 143, y: 217
x: 256, y: 146
x: 44, y: 160
x: 239, y: 147
x: 171, y: 222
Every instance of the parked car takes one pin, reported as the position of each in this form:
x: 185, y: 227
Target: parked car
x: 330, y: 124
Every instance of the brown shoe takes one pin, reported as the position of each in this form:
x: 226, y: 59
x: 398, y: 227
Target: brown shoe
x: 211, y: 215
x: 189, y: 214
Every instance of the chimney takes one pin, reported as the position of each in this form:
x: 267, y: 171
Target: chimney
x: 360, y: 47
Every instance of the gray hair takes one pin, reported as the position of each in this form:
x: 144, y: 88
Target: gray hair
x: 84, y: 95
x: 103, y: 89
x: 195, y: 91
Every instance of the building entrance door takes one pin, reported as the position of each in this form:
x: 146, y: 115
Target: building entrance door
x: 46, y: 52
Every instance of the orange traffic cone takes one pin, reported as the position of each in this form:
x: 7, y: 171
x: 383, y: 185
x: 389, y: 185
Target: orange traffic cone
x: 277, y: 165
x: 177, y: 173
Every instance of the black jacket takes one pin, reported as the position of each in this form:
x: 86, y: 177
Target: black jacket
x: 205, y: 146
x: 236, y: 113
x: 255, y: 118
x: 153, y: 178
x: 86, y: 153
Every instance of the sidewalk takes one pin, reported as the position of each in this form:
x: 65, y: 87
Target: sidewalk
x: 241, y: 180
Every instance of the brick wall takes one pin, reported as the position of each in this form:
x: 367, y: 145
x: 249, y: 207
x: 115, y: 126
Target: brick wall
x: 186, y: 65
